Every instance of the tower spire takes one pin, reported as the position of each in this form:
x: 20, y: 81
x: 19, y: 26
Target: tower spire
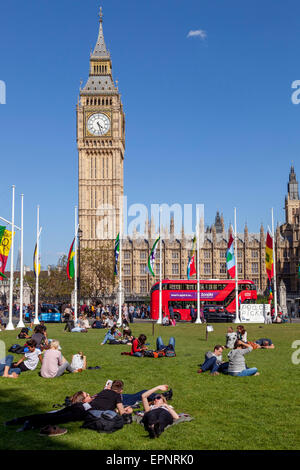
x: 100, y: 50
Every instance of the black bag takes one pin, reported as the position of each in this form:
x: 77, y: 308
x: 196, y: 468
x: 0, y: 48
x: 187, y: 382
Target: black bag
x: 16, y: 349
x: 104, y: 423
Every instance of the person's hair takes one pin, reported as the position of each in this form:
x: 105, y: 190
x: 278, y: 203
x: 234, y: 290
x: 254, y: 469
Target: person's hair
x: 117, y: 386
x: 142, y: 338
x: 113, y: 329
x: 39, y: 329
x: 78, y: 397
x: 127, y: 332
x: 265, y: 343
x: 242, y: 329
x: 162, y: 397
x: 54, y: 344
x: 81, y: 354
x: 230, y: 329
x: 236, y: 344
x: 31, y: 343
x: 218, y: 346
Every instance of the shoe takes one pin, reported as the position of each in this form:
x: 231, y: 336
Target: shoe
x: 52, y: 431
x: 26, y: 427
x: 199, y: 371
x: 151, y: 431
x: 157, y: 430
x: 168, y: 395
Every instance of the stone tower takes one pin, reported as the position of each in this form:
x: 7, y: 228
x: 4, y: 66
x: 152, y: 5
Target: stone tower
x: 101, y: 146
x: 292, y: 202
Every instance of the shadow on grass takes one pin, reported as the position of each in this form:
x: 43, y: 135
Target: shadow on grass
x: 13, y: 403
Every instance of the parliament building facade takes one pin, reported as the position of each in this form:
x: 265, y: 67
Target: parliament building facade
x: 101, y: 148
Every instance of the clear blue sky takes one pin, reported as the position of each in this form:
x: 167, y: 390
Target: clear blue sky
x: 209, y: 117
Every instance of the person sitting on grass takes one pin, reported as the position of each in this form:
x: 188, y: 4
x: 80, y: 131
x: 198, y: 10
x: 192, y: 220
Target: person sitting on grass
x: 54, y: 364
x: 6, y: 369
x: 81, y: 404
x: 138, y: 346
x: 214, y: 362
x: 241, y: 333
x: 160, y: 414
x: 237, y: 366
x: 30, y: 359
x: 127, y: 337
x: 78, y: 362
x: 112, y: 336
x: 40, y: 336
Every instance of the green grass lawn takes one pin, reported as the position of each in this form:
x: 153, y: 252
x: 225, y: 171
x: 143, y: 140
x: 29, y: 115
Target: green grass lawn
x: 229, y: 412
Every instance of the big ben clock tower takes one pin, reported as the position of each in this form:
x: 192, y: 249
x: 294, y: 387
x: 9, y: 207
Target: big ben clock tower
x: 101, y: 146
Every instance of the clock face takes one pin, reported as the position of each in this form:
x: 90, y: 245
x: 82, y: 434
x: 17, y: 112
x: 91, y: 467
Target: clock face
x: 98, y: 124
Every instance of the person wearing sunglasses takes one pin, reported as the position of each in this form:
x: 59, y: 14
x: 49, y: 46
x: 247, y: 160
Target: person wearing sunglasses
x: 160, y: 414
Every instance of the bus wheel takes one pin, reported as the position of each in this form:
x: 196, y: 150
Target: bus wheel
x: 177, y: 316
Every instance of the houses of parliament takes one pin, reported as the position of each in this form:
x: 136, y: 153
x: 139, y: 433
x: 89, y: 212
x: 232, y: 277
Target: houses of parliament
x: 101, y: 154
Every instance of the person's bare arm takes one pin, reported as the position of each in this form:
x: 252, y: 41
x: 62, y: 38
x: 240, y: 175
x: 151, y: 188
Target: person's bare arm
x: 123, y: 410
x: 172, y: 412
x: 19, y: 362
x: 147, y: 394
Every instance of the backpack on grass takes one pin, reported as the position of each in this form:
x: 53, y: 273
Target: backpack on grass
x: 103, y: 423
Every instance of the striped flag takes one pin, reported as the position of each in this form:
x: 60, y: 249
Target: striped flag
x: 269, y: 257
x: 151, y: 259
x: 117, y: 251
x: 70, y: 263
x: 230, y: 258
x: 191, y: 267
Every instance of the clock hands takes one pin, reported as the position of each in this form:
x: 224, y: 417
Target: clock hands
x: 100, y: 127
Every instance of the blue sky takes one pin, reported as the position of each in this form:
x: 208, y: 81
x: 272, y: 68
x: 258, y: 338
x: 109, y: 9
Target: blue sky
x: 209, y: 117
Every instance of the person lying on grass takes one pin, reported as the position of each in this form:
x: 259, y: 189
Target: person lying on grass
x: 81, y: 404
x: 160, y: 414
x: 237, y: 365
x: 30, y: 359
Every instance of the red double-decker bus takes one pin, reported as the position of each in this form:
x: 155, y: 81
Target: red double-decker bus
x: 181, y: 295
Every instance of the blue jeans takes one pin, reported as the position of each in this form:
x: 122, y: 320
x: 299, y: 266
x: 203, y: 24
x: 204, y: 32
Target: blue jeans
x: 210, y: 364
x: 245, y: 372
x: 98, y: 413
x: 137, y: 354
x: 160, y: 345
x: 107, y: 337
x: 7, y: 362
x: 130, y: 399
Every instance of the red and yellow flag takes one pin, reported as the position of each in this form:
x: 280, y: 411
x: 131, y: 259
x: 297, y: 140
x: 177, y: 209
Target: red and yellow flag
x: 70, y: 263
x: 269, y: 256
x: 5, y: 245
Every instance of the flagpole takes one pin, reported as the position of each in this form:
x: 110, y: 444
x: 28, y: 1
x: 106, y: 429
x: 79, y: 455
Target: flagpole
x: 198, y: 320
x: 21, y: 323
x: 274, y: 268
x: 237, y: 318
x: 159, y: 321
x: 36, y: 319
x: 10, y: 325
x: 119, y: 323
x: 75, y: 267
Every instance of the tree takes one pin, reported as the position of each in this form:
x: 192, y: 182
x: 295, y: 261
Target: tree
x: 97, y: 277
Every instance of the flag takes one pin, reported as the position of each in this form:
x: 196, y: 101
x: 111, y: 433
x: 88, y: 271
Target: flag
x: 70, y: 262
x: 191, y: 268
x: 151, y: 259
x: 117, y: 250
x: 230, y: 258
x: 269, y: 257
x: 5, y: 244
x: 34, y: 262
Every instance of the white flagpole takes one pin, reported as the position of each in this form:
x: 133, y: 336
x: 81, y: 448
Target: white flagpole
x: 119, y: 323
x: 198, y: 320
x: 36, y: 319
x: 274, y: 268
x: 237, y: 318
x: 10, y: 325
x: 159, y: 321
x: 21, y: 323
x: 75, y: 267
